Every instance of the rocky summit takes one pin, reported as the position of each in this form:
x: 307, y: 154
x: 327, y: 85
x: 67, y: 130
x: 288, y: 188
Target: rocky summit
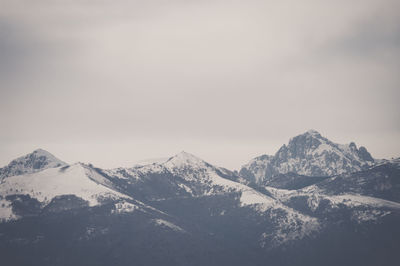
x: 308, y: 154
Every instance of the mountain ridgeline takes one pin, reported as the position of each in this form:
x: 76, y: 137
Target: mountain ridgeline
x: 314, y: 202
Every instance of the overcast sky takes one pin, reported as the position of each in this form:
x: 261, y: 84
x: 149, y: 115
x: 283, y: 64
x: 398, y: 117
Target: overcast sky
x: 115, y: 82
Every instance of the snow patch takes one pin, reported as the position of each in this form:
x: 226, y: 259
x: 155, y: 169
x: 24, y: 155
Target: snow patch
x: 369, y: 215
x: 186, y: 188
x: 6, y: 213
x: 354, y: 200
x: 124, y: 207
x: 251, y: 197
x: 169, y: 225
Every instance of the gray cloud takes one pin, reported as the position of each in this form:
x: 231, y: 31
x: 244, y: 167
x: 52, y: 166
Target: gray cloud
x: 226, y: 80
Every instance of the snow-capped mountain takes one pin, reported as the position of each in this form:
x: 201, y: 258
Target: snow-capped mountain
x: 308, y: 154
x: 176, y: 210
x: 180, y: 177
x: 78, y: 180
x: 33, y: 162
x: 185, y: 176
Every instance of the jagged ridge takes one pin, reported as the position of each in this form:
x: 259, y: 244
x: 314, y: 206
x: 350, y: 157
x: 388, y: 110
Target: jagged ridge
x: 308, y: 154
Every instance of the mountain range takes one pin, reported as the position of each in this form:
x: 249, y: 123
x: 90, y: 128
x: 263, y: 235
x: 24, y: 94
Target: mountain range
x: 314, y: 202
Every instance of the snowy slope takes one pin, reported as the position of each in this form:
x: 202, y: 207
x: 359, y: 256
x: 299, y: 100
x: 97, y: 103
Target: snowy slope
x: 183, y: 171
x: 186, y: 181
x: 290, y: 224
x: 181, y: 176
x: 77, y: 179
x: 308, y: 154
x: 186, y: 176
x: 363, y: 208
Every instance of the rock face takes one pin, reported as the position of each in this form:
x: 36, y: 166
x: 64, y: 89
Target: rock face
x: 33, y: 162
x: 308, y: 154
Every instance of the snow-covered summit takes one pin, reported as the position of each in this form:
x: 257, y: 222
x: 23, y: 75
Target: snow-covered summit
x: 33, y: 162
x: 77, y: 179
x: 184, y: 160
x: 309, y: 154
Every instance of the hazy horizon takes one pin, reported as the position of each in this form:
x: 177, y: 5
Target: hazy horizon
x: 113, y: 83
x: 71, y: 156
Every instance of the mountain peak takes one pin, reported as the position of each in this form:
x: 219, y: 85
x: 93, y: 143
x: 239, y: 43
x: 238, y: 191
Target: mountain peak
x: 35, y: 161
x: 185, y: 156
x: 313, y: 132
x: 42, y: 152
x: 311, y: 137
x: 184, y: 159
x: 309, y: 154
